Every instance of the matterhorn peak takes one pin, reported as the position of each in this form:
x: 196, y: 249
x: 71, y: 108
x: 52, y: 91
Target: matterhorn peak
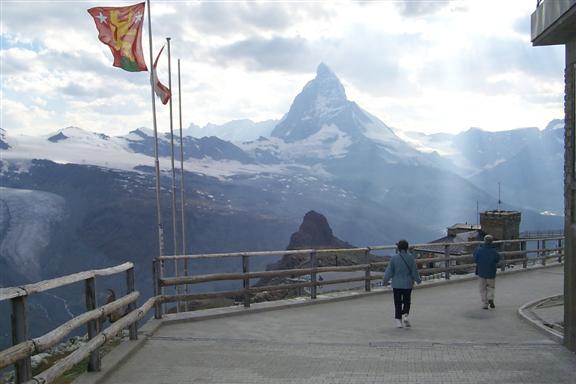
x: 321, y: 100
x: 322, y: 114
x: 326, y: 85
x: 324, y: 71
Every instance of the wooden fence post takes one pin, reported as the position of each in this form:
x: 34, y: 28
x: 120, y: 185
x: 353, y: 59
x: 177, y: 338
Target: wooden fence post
x: 313, y: 265
x: 133, y: 329
x: 92, y: 326
x: 543, y: 252
x: 20, y: 333
x: 246, y: 281
x: 156, y: 281
x: 525, y: 255
x: 503, y: 258
x: 367, y: 281
x: 447, y: 262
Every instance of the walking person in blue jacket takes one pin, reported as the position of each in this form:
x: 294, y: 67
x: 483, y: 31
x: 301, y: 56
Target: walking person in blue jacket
x: 487, y: 258
x: 403, y: 272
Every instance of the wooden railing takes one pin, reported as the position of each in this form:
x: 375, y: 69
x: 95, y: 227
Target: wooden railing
x: 24, y: 347
x: 444, y: 265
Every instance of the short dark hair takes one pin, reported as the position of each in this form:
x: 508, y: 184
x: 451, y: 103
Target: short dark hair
x: 402, y: 245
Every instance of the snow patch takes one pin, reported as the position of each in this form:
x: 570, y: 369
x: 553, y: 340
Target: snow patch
x: 550, y: 213
x: 494, y: 164
x: 328, y: 142
x: 423, y: 143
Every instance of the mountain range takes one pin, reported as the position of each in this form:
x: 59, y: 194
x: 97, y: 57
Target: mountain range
x: 76, y: 199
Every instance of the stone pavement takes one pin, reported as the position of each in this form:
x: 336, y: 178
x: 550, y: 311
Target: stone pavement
x: 453, y: 340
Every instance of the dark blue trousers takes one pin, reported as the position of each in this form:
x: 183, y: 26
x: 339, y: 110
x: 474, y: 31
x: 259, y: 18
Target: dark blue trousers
x: 402, y: 299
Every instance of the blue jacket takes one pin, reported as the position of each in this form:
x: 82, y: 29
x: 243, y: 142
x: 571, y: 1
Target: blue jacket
x: 403, y: 274
x: 486, y: 258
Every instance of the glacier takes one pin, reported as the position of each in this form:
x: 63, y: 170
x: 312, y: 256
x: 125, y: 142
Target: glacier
x: 26, y: 220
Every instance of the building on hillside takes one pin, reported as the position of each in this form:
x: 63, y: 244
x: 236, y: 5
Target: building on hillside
x: 461, y: 228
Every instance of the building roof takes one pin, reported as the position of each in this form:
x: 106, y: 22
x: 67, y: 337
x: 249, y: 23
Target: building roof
x: 500, y: 213
x: 457, y: 248
x: 465, y: 226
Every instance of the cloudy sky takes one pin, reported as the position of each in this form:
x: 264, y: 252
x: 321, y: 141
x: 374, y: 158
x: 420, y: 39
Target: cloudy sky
x: 424, y: 65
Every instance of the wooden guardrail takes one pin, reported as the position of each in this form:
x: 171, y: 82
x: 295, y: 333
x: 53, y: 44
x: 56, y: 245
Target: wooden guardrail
x: 24, y: 347
x: 446, y: 264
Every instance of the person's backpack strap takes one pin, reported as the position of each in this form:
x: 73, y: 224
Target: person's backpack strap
x: 404, y: 260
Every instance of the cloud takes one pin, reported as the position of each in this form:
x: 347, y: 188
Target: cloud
x: 277, y: 53
x: 373, y: 66
x: 485, y: 67
x: 401, y: 61
x: 29, y: 22
x: 26, y: 118
x: 417, y: 8
x: 377, y: 66
x: 522, y: 26
x: 232, y: 18
x: 227, y: 18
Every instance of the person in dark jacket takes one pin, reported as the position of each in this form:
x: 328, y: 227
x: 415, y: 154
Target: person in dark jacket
x: 487, y: 258
x: 403, y: 272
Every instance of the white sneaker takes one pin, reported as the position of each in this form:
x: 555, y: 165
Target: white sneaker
x: 399, y: 323
x: 405, y: 321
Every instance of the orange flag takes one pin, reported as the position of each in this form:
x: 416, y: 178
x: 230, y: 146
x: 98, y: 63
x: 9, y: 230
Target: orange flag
x: 121, y: 29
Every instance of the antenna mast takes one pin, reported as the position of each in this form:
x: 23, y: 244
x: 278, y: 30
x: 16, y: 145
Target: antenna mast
x: 499, y: 200
x: 477, y: 213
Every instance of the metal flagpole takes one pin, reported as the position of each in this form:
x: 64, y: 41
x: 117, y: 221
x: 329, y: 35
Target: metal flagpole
x: 158, y: 272
x: 183, y: 206
x: 156, y: 162
x: 174, y: 229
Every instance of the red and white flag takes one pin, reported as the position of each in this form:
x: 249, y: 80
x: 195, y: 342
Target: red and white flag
x: 162, y: 91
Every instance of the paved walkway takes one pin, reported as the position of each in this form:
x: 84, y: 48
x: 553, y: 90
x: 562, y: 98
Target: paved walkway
x: 453, y: 340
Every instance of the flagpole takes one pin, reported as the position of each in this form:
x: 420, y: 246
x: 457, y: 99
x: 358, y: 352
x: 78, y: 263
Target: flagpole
x: 183, y: 225
x: 156, y: 162
x: 174, y: 229
x: 158, y: 309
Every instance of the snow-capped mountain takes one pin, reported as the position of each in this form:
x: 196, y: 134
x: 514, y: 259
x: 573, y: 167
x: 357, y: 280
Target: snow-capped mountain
x: 533, y: 175
x: 236, y: 131
x: 3, y: 142
x: 527, y: 163
x: 322, y: 123
x: 72, y: 145
x: 474, y: 150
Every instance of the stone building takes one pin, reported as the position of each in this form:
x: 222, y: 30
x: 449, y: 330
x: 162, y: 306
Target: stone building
x: 554, y: 23
x: 502, y: 225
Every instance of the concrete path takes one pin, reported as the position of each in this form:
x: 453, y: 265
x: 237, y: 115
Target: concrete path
x: 453, y: 340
